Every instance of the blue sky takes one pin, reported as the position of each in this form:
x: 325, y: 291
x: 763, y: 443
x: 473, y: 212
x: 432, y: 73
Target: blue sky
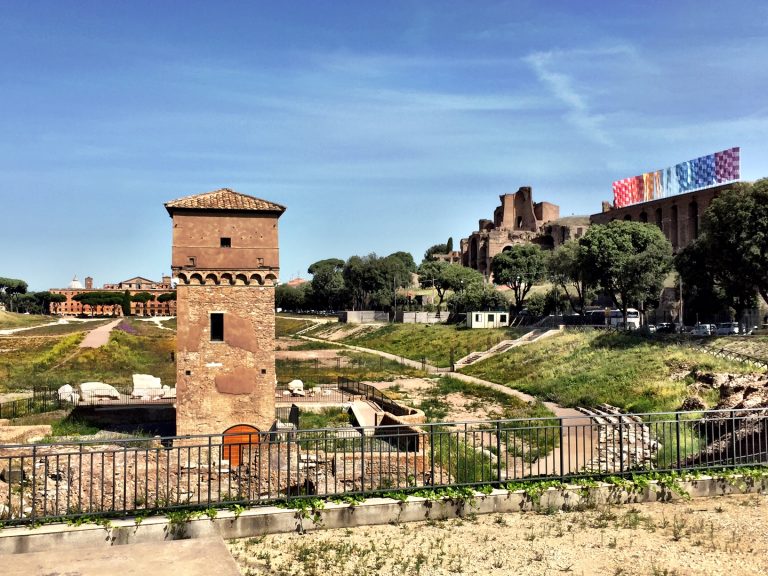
x: 382, y: 126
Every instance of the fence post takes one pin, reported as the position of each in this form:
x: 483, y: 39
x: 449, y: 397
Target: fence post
x: 562, y: 447
x: 677, y: 435
x: 432, y: 453
x: 498, y: 451
x: 733, y: 438
x: 621, y: 446
x: 362, y: 461
x: 34, y: 482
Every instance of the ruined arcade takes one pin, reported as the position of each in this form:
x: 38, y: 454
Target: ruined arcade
x: 226, y: 263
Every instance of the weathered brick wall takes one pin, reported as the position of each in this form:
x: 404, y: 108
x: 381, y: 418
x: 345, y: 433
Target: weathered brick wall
x: 220, y: 384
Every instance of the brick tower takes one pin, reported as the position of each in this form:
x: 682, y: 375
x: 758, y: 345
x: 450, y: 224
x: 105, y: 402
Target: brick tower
x: 225, y: 262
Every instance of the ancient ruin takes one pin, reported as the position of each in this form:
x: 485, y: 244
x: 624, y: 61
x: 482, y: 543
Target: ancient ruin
x: 679, y: 217
x: 518, y: 220
x: 225, y: 263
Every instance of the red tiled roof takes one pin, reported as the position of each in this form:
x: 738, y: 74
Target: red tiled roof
x: 224, y: 199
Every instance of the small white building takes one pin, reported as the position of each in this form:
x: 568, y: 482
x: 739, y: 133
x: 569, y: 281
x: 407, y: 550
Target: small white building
x: 487, y: 319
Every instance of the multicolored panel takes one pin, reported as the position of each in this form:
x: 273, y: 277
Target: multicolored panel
x: 684, y: 177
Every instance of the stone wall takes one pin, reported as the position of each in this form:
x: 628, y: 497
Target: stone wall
x: 220, y: 384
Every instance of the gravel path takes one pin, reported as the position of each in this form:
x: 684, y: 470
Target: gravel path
x: 723, y: 536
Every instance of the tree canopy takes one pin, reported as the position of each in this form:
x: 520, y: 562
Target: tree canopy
x: 726, y: 267
x: 10, y: 287
x: 630, y: 261
x: 519, y: 268
x: 565, y: 267
x: 94, y: 299
x: 443, y: 277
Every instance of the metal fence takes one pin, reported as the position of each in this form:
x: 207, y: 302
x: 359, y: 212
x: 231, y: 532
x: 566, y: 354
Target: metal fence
x: 141, y: 476
x: 42, y: 400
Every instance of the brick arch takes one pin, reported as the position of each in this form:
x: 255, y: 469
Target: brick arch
x: 227, y: 279
x: 196, y: 279
x: 270, y: 279
x: 241, y: 280
x: 182, y: 278
x: 211, y: 278
x: 257, y: 279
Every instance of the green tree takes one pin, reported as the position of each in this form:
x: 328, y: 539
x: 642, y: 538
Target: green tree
x: 431, y: 276
x: 406, y: 259
x: 435, y: 249
x: 142, y: 298
x: 95, y: 299
x: 449, y: 245
x: 476, y: 297
x: 519, y: 268
x: 167, y: 297
x: 292, y: 298
x: 45, y: 300
x: 9, y: 288
x: 565, y: 269
x: 125, y: 303
x: 333, y: 263
x: 328, y: 289
x: 630, y: 261
x: 735, y: 233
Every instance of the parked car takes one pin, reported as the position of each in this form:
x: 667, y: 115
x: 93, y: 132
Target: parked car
x: 727, y: 328
x: 665, y: 328
x: 704, y: 330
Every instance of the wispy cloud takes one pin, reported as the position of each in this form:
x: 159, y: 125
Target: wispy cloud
x: 563, y: 88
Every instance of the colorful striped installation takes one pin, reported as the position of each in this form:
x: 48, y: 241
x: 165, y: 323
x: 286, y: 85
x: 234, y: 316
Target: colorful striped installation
x: 687, y: 176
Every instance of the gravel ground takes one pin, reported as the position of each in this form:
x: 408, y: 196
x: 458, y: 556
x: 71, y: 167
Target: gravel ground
x: 711, y: 536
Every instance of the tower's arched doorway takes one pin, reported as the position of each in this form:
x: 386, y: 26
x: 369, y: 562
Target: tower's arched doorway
x: 240, y: 442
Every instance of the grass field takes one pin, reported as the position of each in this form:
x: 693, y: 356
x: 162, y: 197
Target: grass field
x: 289, y: 326
x: 417, y: 341
x: 13, y: 320
x: 351, y: 365
x: 55, y: 359
x: 586, y: 369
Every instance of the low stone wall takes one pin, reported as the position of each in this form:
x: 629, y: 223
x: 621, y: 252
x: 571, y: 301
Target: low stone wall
x: 270, y: 520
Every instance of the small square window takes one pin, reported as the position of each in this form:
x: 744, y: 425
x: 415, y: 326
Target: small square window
x: 263, y: 370
x: 226, y: 242
x: 217, y: 327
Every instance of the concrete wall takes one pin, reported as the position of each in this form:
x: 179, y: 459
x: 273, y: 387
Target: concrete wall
x: 421, y: 317
x: 270, y: 520
x: 363, y: 316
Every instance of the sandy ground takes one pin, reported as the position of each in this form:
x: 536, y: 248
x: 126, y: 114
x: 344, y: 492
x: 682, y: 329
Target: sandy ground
x: 412, y: 391
x: 712, y: 536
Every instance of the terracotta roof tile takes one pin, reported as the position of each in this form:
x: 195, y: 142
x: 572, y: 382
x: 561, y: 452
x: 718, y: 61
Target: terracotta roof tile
x: 224, y: 199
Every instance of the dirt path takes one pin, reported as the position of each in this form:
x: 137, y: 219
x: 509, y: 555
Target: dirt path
x: 721, y: 536
x: 97, y: 337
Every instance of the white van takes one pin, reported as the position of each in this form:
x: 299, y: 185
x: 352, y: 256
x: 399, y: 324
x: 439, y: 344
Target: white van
x: 633, y: 319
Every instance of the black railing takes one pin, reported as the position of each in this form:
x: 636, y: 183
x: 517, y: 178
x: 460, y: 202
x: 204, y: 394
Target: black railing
x: 42, y: 400
x: 141, y: 476
x: 374, y: 395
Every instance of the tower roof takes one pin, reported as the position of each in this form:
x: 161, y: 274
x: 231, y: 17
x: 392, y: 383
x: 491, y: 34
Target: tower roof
x: 223, y: 199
